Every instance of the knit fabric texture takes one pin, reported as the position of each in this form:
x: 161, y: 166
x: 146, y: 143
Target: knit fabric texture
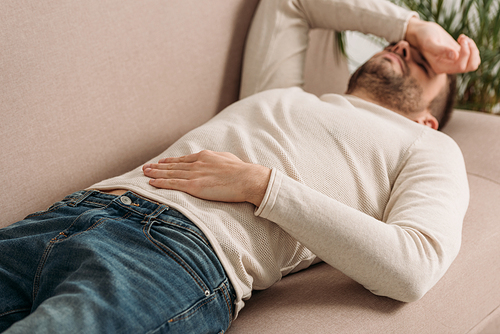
x: 375, y: 195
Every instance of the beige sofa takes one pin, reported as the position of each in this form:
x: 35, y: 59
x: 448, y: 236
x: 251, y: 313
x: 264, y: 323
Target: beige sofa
x: 91, y: 89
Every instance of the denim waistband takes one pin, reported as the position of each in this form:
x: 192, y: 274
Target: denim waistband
x: 131, y: 201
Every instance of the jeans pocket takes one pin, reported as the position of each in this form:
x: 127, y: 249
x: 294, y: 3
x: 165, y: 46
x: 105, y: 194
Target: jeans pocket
x: 206, y: 294
x: 181, y: 248
x: 184, y: 224
x: 212, y: 314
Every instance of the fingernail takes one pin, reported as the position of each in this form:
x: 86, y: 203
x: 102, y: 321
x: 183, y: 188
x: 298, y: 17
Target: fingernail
x: 147, y: 170
x: 147, y: 166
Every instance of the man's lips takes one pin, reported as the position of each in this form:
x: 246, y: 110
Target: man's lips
x: 396, y: 58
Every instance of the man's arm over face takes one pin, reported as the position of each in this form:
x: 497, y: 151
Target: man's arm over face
x: 277, y: 42
x: 444, y: 54
x: 276, y: 46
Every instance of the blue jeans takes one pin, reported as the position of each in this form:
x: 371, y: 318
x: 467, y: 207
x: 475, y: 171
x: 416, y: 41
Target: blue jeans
x: 99, y: 263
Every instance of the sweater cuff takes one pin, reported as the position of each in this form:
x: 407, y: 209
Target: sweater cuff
x: 271, y: 194
x: 407, y: 21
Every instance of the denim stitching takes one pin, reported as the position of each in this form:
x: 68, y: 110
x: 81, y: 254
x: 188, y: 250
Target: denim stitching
x: 96, y: 224
x: 158, y: 211
x: 184, y: 227
x: 228, y: 302
x: 162, y: 220
x: 223, y: 288
x: 79, y: 199
x: 54, y: 240
x: 191, y: 312
x: 15, y: 311
x: 96, y: 203
x: 48, y: 210
x: 130, y: 208
x: 141, y: 197
x: 173, y: 256
x: 41, y: 264
x: 72, y: 223
x: 45, y: 255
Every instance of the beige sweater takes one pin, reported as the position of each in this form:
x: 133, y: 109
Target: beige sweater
x: 373, y: 194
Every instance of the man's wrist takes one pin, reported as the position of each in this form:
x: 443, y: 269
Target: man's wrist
x: 257, y: 188
x: 412, y: 30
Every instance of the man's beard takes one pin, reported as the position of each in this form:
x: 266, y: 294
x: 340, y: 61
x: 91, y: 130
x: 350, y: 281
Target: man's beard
x: 398, y: 92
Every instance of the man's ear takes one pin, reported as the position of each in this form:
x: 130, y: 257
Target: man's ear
x: 428, y: 119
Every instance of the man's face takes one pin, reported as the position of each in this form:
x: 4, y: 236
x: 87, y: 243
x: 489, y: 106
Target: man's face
x: 400, y: 78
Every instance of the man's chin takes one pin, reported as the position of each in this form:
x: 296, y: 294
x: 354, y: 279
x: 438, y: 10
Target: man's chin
x: 383, y: 69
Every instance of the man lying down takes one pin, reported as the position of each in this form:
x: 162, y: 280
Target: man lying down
x: 274, y: 183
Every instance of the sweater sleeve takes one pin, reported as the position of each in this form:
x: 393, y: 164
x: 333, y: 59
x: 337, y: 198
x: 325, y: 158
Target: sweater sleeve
x: 380, y: 18
x: 406, y: 253
x: 277, y: 42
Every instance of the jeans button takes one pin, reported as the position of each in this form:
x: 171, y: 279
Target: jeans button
x: 125, y: 200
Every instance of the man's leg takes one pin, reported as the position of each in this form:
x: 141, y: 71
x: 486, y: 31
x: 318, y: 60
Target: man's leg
x: 128, y: 266
x: 22, y: 246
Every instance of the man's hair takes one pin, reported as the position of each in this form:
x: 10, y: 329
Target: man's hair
x: 442, y: 105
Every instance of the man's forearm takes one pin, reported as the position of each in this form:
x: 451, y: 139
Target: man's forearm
x: 380, y: 18
x: 277, y: 42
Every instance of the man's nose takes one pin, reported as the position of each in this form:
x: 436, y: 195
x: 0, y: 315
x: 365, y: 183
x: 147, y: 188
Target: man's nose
x: 402, y: 48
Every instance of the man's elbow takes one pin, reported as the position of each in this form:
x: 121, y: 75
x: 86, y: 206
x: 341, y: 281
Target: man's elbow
x: 410, y: 279
x: 406, y: 292
x: 410, y: 285
x: 413, y: 292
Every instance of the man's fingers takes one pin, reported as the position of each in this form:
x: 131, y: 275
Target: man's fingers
x: 169, y: 166
x: 188, y: 186
x: 464, y: 56
x: 474, y: 56
x: 449, y: 52
x: 187, y: 159
x: 167, y: 174
x: 445, y: 59
x: 468, y: 59
x: 174, y: 162
x: 171, y: 184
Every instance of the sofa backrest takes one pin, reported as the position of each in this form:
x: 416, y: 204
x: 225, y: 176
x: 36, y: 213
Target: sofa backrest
x: 91, y: 89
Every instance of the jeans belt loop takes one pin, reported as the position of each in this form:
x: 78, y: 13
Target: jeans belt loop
x: 83, y: 197
x: 159, y: 210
